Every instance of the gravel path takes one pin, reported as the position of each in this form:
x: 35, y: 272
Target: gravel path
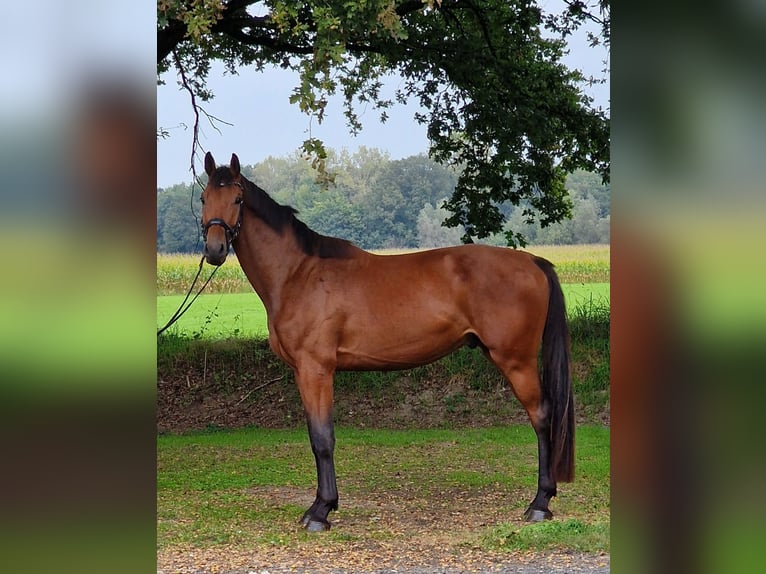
x: 378, y: 561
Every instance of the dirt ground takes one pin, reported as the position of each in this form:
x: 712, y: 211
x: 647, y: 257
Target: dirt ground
x: 442, y: 540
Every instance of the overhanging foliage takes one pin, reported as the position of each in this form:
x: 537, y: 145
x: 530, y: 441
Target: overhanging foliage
x: 498, y: 103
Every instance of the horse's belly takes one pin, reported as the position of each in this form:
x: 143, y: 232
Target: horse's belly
x: 397, y: 348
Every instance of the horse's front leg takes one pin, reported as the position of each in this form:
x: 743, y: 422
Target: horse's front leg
x: 315, y: 385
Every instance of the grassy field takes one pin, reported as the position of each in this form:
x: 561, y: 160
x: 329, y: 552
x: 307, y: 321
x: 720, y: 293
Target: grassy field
x: 221, y: 316
x: 574, y: 263
x: 248, y: 488
x: 216, y: 316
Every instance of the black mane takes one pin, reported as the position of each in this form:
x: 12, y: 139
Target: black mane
x: 282, y: 217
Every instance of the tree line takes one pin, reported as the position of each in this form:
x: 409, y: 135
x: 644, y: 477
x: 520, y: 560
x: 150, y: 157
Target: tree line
x: 377, y: 202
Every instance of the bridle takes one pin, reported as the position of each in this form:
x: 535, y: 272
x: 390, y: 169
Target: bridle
x: 231, y: 235
x: 231, y: 232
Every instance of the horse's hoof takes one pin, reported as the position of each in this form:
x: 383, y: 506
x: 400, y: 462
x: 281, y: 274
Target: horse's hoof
x: 537, y: 515
x: 313, y: 524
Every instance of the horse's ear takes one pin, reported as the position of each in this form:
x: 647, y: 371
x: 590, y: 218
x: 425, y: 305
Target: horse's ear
x: 209, y: 164
x: 234, y: 165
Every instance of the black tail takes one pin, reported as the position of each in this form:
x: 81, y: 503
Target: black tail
x: 556, y: 379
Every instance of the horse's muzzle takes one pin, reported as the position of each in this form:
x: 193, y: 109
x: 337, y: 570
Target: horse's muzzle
x: 215, y: 252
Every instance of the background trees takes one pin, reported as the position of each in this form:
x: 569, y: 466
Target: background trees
x: 497, y: 100
x: 178, y: 230
x: 379, y: 202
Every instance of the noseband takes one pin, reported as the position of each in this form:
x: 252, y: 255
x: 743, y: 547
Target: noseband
x: 231, y: 232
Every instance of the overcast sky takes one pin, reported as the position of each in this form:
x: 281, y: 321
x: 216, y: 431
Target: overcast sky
x: 265, y: 124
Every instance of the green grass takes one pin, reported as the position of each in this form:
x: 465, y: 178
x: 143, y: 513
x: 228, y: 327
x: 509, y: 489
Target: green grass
x: 222, y: 316
x: 249, y: 487
x: 216, y: 316
x: 571, y: 534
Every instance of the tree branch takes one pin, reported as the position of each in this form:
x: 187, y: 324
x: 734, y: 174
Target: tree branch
x: 259, y: 387
x: 195, y: 107
x: 235, y: 29
x: 235, y: 21
x: 580, y: 7
x: 168, y: 38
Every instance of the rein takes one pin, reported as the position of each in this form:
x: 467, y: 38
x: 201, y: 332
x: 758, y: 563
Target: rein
x: 181, y: 309
x: 231, y: 235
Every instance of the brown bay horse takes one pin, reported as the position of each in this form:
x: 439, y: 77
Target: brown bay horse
x: 332, y: 306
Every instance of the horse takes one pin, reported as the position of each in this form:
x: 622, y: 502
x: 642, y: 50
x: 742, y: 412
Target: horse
x: 332, y: 306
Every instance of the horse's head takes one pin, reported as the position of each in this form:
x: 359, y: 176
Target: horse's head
x: 221, y: 208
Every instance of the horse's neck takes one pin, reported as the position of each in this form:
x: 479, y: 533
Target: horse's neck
x: 268, y: 259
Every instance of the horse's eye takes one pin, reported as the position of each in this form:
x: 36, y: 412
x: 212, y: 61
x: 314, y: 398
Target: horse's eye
x: 202, y: 200
x: 238, y: 200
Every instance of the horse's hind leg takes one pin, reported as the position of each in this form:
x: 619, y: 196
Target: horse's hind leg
x: 524, y: 380
x: 315, y: 386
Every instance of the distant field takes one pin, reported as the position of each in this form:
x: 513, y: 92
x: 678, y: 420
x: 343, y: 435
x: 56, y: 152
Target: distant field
x: 216, y: 316
x: 574, y: 263
x: 220, y: 316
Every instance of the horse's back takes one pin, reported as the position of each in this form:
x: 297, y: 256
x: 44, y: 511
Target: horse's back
x: 483, y: 274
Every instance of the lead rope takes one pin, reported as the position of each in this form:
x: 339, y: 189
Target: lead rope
x: 181, y: 309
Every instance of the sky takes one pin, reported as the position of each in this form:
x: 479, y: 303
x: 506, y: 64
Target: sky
x: 265, y: 124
